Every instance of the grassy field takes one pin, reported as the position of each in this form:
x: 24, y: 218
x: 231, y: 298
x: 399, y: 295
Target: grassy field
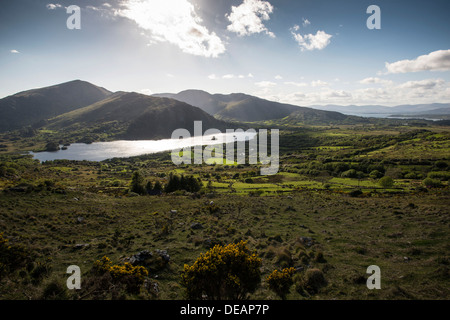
x: 325, y: 209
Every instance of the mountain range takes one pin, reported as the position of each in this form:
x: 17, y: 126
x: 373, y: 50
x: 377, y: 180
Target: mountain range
x: 235, y: 106
x: 79, y: 105
x: 378, y: 110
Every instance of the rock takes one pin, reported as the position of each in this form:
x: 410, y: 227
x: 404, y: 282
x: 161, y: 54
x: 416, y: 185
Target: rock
x: 173, y: 211
x: 79, y: 246
x: 80, y: 219
x: 307, y: 241
x: 163, y: 254
x: 140, y: 257
x: 196, y: 225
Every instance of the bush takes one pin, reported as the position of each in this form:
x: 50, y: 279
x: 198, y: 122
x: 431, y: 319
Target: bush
x: 375, y: 174
x: 132, y: 276
x: 223, y: 272
x: 313, y: 281
x: 386, y: 182
x: 440, y: 175
x: 281, y: 281
x: 12, y: 257
x: 54, y: 290
x: 432, y: 183
x: 137, y: 183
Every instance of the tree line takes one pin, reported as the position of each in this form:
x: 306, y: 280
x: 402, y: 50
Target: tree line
x: 174, y: 183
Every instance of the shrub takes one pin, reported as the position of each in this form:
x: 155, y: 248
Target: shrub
x: 375, y: 174
x: 355, y: 193
x: 439, y: 175
x: 432, y: 183
x: 386, y: 182
x: 313, y: 281
x: 54, y: 290
x: 132, y: 276
x: 281, y: 281
x: 223, y: 272
x: 137, y: 183
x: 12, y: 257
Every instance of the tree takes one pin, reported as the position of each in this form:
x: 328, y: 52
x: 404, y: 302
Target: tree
x: 137, y: 183
x: 223, y: 272
x: 149, y: 187
x: 157, y: 187
x: 386, y: 182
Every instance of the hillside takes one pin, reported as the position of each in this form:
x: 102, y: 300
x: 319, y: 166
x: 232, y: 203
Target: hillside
x: 32, y: 107
x: 235, y: 106
x: 130, y: 115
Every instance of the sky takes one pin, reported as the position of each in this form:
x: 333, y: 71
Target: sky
x: 302, y: 52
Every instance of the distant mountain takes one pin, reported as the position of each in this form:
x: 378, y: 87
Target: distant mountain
x: 32, y: 106
x: 136, y: 116
x: 236, y: 106
x: 373, y: 110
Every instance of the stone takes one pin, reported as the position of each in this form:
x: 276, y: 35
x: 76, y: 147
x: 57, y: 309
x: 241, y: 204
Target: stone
x: 196, y: 225
x: 307, y: 241
x: 140, y: 257
x: 79, y: 246
x: 163, y: 254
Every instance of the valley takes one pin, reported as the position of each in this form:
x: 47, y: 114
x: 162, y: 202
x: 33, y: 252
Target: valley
x: 350, y: 192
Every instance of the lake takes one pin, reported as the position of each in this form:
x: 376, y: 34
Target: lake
x: 99, y: 151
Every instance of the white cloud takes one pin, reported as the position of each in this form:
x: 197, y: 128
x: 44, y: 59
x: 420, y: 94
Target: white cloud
x: 375, y: 80
x: 250, y: 75
x: 434, y: 61
x: 169, y: 75
x: 312, y: 42
x: 212, y: 76
x: 53, y: 6
x: 305, y: 22
x: 228, y: 76
x: 106, y: 4
x: 408, y: 92
x: 241, y: 76
x: 278, y: 77
x: 297, y: 84
x: 14, y: 51
x: 426, y: 84
x: 265, y: 84
x: 173, y: 21
x: 247, y: 18
x: 146, y: 91
x: 318, y: 83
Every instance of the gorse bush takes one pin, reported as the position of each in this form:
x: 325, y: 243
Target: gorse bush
x: 12, y: 257
x: 223, y: 272
x: 281, y: 281
x: 132, y: 276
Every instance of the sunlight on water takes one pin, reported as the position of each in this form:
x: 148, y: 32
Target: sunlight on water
x: 99, y: 151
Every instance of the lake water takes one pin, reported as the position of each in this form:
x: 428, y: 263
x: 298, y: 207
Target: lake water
x: 99, y: 151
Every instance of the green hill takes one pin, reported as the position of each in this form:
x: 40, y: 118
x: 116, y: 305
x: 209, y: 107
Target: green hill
x: 243, y: 107
x: 131, y: 115
x: 32, y: 107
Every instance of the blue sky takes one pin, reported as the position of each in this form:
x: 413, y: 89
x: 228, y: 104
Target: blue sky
x: 303, y: 52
